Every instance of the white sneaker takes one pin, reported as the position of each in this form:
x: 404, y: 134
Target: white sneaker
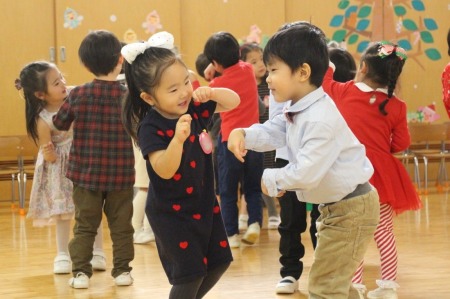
x: 98, y: 261
x: 61, y: 264
x: 387, y: 290
x: 287, y: 285
x: 124, y: 279
x: 243, y: 222
x: 273, y: 222
x: 143, y: 236
x: 80, y: 281
x: 252, y: 234
x: 234, y: 242
x: 360, y: 289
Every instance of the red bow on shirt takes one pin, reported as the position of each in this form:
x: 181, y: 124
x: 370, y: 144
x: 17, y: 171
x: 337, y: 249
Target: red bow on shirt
x: 387, y: 49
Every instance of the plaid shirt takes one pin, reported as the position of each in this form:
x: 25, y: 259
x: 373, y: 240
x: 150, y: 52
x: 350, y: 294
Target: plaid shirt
x: 101, y: 157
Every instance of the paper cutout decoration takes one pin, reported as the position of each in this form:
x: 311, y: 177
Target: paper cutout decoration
x: 424, y: 114
x: 130, y: 36
x: 152, y: 22
x: 71, y: 18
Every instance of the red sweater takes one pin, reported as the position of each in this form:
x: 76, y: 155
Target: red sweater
x: 241, y: 79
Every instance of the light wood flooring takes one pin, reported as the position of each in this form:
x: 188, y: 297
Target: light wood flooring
x: 26, y: 259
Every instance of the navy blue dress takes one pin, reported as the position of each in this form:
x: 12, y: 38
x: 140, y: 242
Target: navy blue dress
x: 183, y: 211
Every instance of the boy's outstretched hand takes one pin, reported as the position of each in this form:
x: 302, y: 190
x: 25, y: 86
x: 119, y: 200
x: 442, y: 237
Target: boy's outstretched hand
x: 236, y: 144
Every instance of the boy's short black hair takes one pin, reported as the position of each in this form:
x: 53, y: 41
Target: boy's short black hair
x: 223, y: 48
x: 345, y: 64
x: 299, y: 44
x: 448, y: 41
x: 100, y: 52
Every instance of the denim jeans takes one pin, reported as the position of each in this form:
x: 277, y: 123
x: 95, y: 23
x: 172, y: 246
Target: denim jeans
x: 231, y: 172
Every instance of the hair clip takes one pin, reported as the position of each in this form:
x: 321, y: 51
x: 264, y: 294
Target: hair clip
x: 18, y: 84
x: 161, y: 39
x: 387, y: 49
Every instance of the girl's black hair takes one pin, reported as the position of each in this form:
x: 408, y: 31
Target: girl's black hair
x: 249, y: 47
x: 383, y: 70
x: 143, y: 75
x: 33, y: 79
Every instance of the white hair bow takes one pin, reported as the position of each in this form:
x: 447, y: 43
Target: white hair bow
x: 161, y: 39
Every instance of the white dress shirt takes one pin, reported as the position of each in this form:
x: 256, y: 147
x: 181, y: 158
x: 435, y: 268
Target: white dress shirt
x: 326, y: 161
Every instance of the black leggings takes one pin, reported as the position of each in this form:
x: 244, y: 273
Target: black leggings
x: 198, y: 288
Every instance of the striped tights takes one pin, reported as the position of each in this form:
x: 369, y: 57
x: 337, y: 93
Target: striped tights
x: 385, y: 240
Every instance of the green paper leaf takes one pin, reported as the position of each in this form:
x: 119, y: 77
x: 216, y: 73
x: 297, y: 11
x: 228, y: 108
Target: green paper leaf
x: 430, y: 24
x: 418, y: 5
x: 433, y: 54
x: 362, y: 25
x: 362, y: 46
x: 405, y: 44
x: 337, y: 21
x: 399, y: 10
x: 364, y: 11
x: 343, y: 4
x: 339, y: 35
x: 426, y: 37
x: 410, y: 25
x: 353, y: 39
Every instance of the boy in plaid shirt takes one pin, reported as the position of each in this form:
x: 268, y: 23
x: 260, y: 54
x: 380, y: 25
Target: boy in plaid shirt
x: 101, y: 161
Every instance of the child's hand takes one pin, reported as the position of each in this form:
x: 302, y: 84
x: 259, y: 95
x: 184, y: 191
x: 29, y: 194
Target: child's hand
x: 48, y: 148
x: 203, y: 94
x: 209, y: 72
x: 183, y: 128
x: 236, y: 144
x: 266, y: 192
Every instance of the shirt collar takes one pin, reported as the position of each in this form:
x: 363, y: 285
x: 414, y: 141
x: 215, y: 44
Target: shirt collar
x: 303, y: 103
x: 366, y: 88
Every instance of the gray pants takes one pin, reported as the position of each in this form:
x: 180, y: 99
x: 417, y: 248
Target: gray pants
x: 89, y: 207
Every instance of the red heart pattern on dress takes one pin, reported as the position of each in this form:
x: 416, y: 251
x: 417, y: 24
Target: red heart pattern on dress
x: 205, y: 114
x: 160, y: 133
x: 193, y: 164
x: 197, y: 216
x: 177, y: 177
x: 184, y: 244
x: 195, y: 116
x: 216, y: 209
x: 223, y: 243
x: 189, y: 190
x: 192, y: 138
x: 176, y: 207
x: 170, y: 133
x: 205, y: 261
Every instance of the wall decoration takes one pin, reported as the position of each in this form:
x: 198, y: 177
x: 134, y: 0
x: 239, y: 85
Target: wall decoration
x: 152, y: 22
x: 255, y: 36
x: 71, y: 18
x: 130, y: 36
x: 425, y: 114
x: 401, y: 21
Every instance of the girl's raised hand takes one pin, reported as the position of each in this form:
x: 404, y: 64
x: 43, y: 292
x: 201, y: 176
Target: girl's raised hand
x: 203, y: 94
x: 183, y: 128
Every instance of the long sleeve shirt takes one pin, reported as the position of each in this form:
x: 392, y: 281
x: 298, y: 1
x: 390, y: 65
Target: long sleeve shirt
x: 326, y: 161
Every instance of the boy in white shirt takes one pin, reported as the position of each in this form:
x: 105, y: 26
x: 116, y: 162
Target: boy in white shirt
x: 327, y: 164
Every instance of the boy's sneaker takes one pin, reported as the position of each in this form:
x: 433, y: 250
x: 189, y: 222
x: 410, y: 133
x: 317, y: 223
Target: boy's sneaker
x: 287, y: 285
x: 143, y: 236
x: 274, y: 222
x: 98, y: 261
x: 387, y: 290
x: 80, y: 281
x: 234, y: 242
x: 358, y: 290
x: 252, y: 234
x: 243, y: 222
x: 61, y: 264
x: 124, y: 279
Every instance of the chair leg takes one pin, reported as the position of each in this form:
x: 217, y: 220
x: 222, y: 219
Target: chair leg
x: 13, y: 192
x: 425, y: 163
x: 417, y: 175
x: 22, y: 198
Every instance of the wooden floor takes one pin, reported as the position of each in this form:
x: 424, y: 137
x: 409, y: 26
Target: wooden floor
x: 423, y: 239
